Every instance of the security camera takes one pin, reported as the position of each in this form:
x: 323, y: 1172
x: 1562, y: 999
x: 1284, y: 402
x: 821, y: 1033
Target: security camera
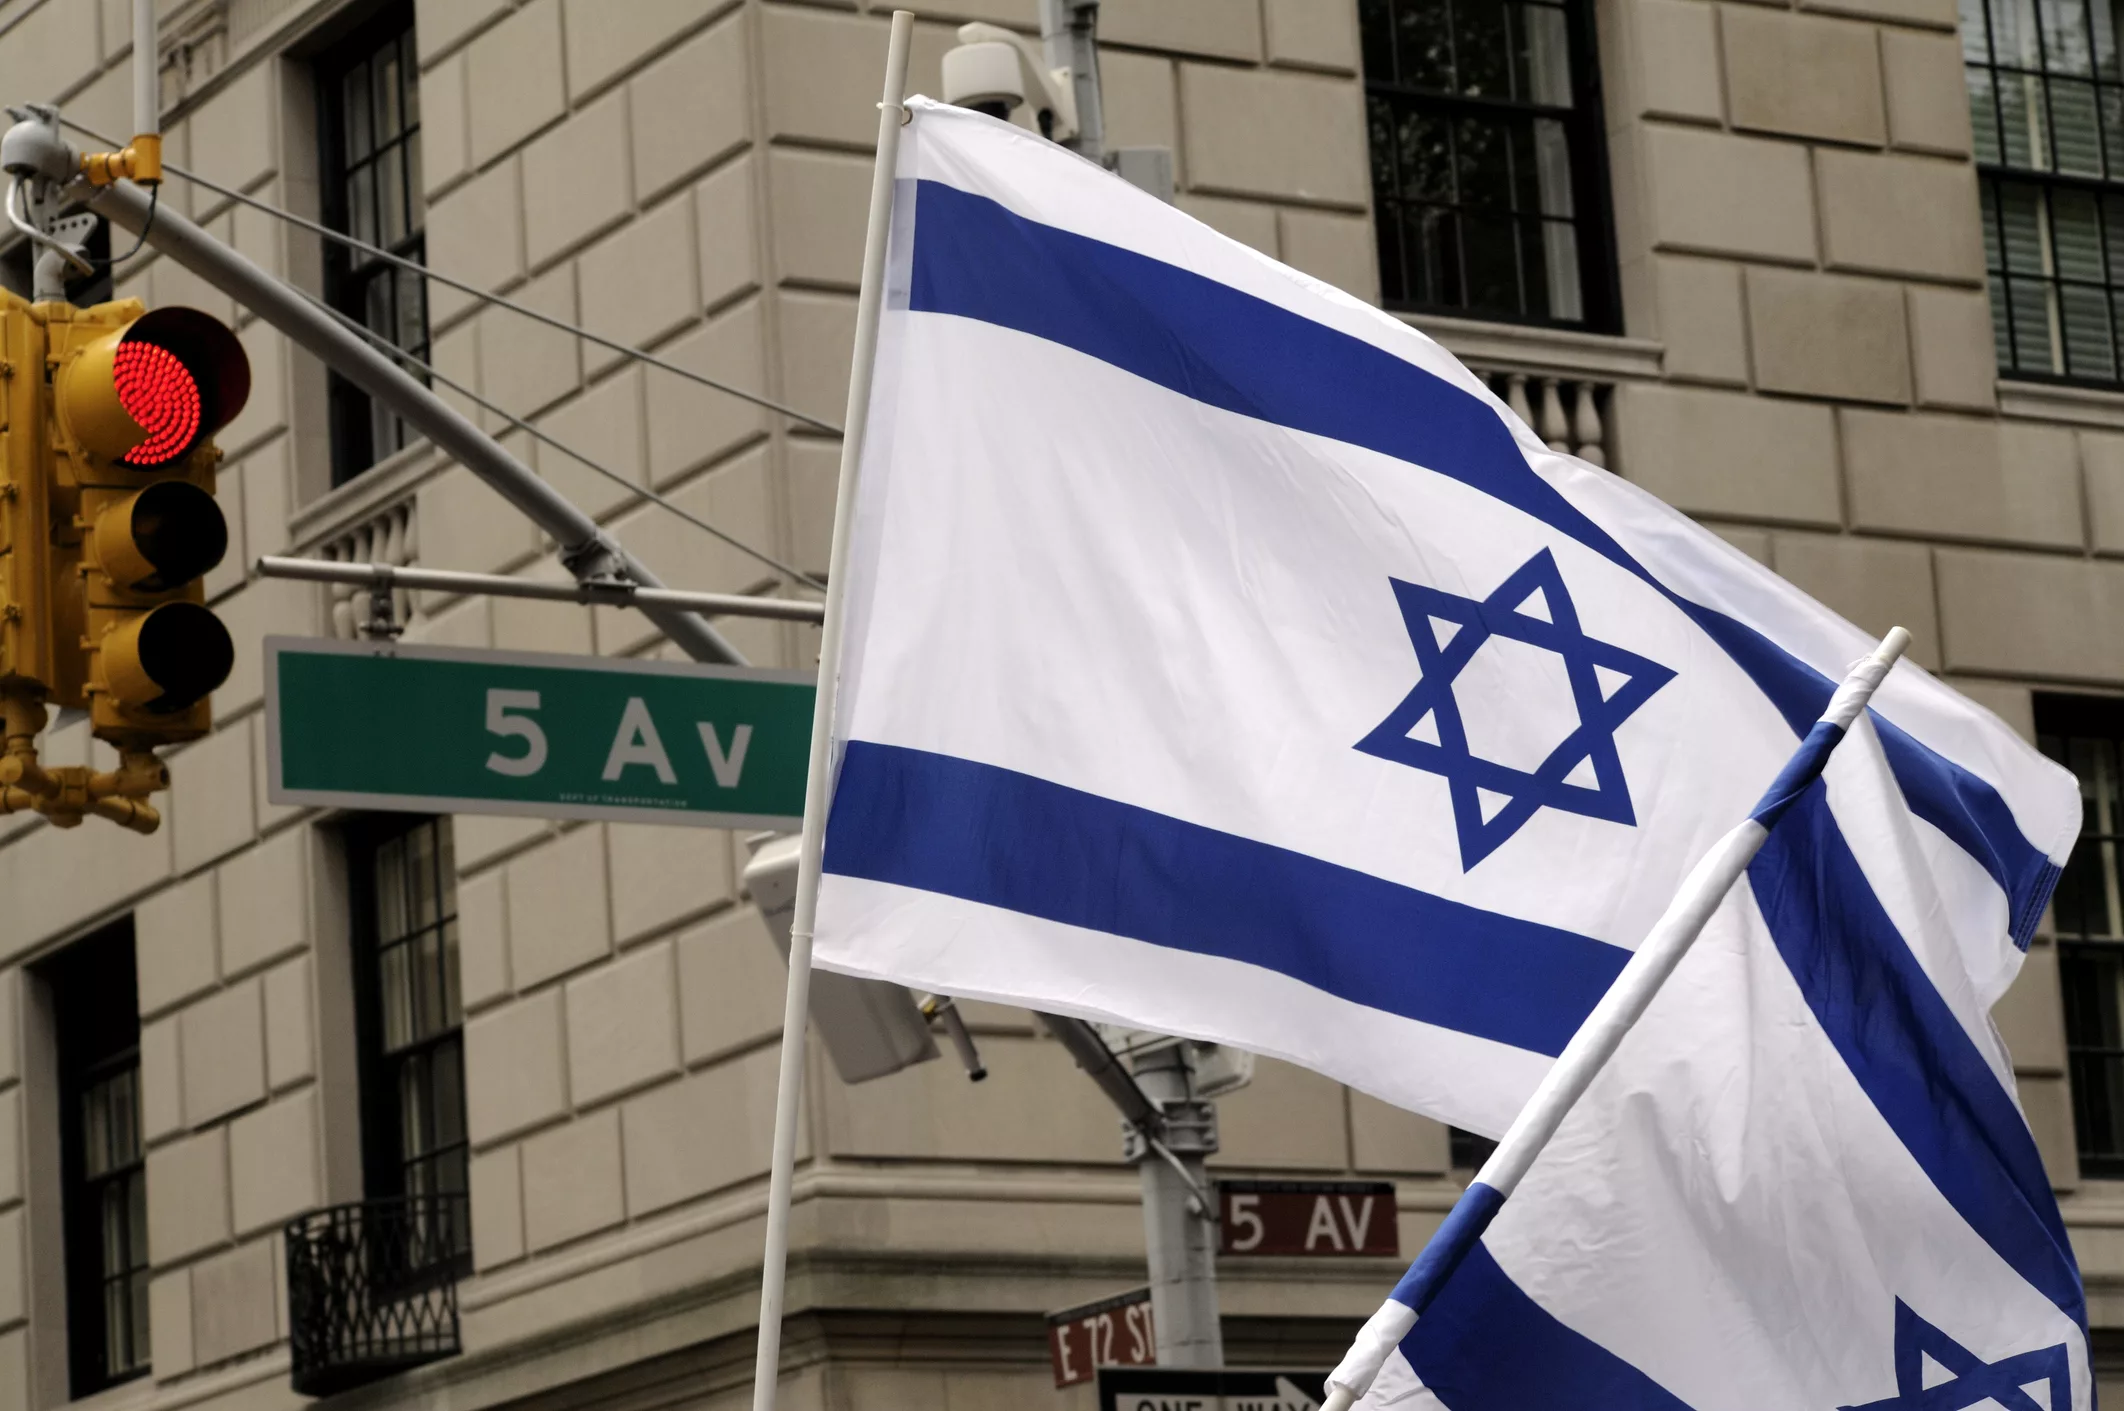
x: 994, y: 71
x: 985, y: 77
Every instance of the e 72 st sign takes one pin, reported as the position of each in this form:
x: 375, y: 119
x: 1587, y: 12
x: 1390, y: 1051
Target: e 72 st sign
x: 453, y: 730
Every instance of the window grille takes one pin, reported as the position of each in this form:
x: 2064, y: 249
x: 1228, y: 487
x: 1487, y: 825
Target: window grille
x: 1488, y: 170
x: 2086, y: 735
x: 2046, y: 101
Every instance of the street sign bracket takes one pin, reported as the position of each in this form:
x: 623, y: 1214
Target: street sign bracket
x: 382, y: 579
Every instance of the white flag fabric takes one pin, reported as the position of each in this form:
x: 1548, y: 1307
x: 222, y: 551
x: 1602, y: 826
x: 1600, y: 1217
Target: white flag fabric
x: 1222, y: 658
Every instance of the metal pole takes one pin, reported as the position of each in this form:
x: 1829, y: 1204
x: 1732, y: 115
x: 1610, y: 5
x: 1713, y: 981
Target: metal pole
x: 1179, y: 1235
x: 797, y: 1006
x: 601, y: 593
x: 1602, y: 1033
x: 585, y: 549
x: 1069, y: 30
x: 147, y: 71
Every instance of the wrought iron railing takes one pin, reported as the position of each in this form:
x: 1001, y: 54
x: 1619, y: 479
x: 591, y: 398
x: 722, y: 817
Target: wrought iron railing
x: 372, y: 1289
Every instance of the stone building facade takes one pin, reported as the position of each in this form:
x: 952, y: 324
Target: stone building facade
x: 1783, y: 319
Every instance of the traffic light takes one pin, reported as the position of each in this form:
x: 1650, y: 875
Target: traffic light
x: 107, y: 522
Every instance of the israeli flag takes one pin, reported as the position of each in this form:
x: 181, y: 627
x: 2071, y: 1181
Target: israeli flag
x: 1222, y: 658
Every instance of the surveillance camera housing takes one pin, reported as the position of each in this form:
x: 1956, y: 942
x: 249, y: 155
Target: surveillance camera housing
x: 984, y: 76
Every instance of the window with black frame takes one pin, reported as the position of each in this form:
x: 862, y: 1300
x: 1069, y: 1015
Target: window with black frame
x: 96, y: 1015
x: 369, y: 92
x: 2086, y: 735
x: 2046, y: 99
x: 1488, y: 170
x: 411, y: 1020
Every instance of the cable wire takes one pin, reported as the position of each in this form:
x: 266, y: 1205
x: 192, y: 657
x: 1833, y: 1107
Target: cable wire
x: 390, y: 349
x: 377, y: 252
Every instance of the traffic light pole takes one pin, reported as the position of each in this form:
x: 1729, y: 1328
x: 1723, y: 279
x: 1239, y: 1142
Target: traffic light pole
x: 585, y: 549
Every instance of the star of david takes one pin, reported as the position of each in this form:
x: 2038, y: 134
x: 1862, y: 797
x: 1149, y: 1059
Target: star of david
x: 1974, y: 1381
x: 1491, y: 800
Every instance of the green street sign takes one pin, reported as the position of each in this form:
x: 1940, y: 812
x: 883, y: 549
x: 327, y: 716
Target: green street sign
x: 456, y: 730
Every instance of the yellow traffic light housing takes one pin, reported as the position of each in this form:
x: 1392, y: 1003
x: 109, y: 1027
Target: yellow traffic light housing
x: 107, y: 523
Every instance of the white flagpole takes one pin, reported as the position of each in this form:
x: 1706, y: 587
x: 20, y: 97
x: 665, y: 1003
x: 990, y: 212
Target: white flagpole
x: 796, y: 1009
x: 1602, y: 1033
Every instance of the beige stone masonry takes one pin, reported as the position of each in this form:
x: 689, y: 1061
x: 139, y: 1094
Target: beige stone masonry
x: 174, y: 944
x: 441, y: 24
x: 232, y: 137
x: 1951, y: 341
x: 476, y: 234
x: 691, y: 108
x: 445, y: 125
x: 1928, y: 107
x: 10, y: 1145
x: 482, y: 939
x: 235, y: 1303
x: 818, y: 203
x: 223, y: 1038
x: 1255, y: 132
x: 1702, y: 323
x: 188, y: 1196
x: 663, y: 875
x: 1876, y: 583
x: 2103, y: 456
x: 161, y: 1079
x: 1225, y: 29
x: 1142, y: 100
x: 639, y: 286
x: 209, y: 802
x: 723, y: 217
x: 290, y: 1048
x: 268, y: 607
x: 1288, y: 1118
x: 1722, y: 194
x: 1385, y: 1139
x: 1337, y: 248
x: 14, y: 1273
x: 1723, y: 453
x: 2017, y: 614
x: 497, y: 1200
x: 1250, y: 223
x: 930, y: 1112
x: 1900, y: 215
x: 2030, y: 1018
x: 1824, y: 336
x: 513, y: 79
x: 459, y: 509
x: 1939, y: 14
x: 170, y: 1323
x: 515, y: 1076
x: 51, y: 50
x: 811, y: 468
x: 689, y: 425
x: 273, y: 1163
x: 730, y: 981
x: 604, y: 39
x: 1318, y: 34
x: 607, y: 422
x: 1802, y: 75
x: 706, y: 1133
x: 525, y: 365
x: 557, y: 916
x: 576, y: 180
x: 1960, y: 478
x: 1676, y: 59
x: 265, y: 909
x: 734, y: 497
x: 623, y: 1025
x: 572, y: 1181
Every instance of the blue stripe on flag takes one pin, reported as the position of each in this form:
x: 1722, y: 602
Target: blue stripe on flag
x: 1206, y: 340
x: 1907, y: 1049
x: 1485, y: 1346
x: 1005, y: 839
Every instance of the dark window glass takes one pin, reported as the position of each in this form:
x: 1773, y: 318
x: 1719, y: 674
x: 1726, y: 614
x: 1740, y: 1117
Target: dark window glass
x: 1468, y: 1150
x: 1487, y: 165
x: 369, y: 88
x: 411, y: 1015
x: 96, y: 1009
x: 2086, y: 735
x: 2046, y: 101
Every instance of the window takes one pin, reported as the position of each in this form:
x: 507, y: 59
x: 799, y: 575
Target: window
x: 96, y: 1009
x: 1487, y: 168
x: 2046, y: 99
x: 410, y: 1016
x: 369, y: 88
x: 2086, y: 735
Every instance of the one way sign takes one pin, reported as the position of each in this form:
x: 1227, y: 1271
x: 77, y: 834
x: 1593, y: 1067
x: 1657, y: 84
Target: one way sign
x: 1220, y: 1389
